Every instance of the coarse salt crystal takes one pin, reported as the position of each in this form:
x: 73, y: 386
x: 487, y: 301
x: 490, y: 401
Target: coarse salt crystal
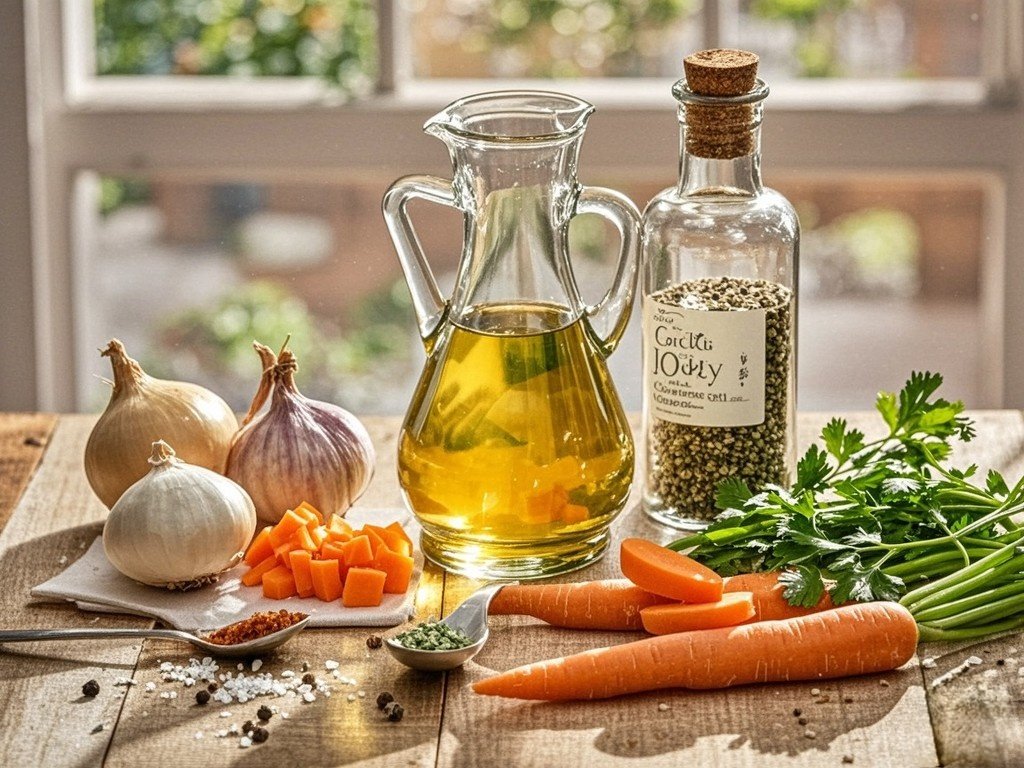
x: 309, y: 697
x: 287, y: 673
x: 884, y: 683
x: 150, y: 687
x: 245, y: 742
x: 361, y: 694
x: 929, y: 663
x: 226, y: 713
x: 973, y: 660
x: 199, y: 735
x: 63, y: 559
x: 331, y: 664
x: 663, y: 707
x: 815, y: 691
x: 241, y: 666
x: 256, y: 664
x: 351, y: 697
x: 284, y: 715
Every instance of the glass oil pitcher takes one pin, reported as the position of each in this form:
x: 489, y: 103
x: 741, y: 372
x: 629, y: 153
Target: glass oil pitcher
x: 515, y: 454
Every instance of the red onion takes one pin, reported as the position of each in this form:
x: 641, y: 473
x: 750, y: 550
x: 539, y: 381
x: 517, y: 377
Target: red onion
x: 299, y: 449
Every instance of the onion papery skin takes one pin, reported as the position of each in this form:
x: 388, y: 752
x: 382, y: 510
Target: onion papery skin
x: 179, y: 527
x: 142, y: 409
x: 301, y: 450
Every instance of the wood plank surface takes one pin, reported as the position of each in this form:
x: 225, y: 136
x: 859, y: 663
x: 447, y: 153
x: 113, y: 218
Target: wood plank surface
x: 44, y: 719
x: 330, y: 731
x: 977, y: 715
x: 907, y: 720
x: 23, y: 438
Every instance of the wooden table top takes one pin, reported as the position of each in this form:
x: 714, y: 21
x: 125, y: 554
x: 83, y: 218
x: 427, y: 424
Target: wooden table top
x: 48, y: 515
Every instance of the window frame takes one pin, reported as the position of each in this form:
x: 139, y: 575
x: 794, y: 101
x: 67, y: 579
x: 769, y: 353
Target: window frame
x: 205, y: 128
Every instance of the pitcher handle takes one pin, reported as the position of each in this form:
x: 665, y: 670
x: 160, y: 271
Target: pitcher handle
x: 610, y: 316
x: 427, y: 301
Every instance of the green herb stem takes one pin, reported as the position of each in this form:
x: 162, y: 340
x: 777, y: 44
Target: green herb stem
x: 929, y: 634
x: 960, y: 607
x: 959, y: 583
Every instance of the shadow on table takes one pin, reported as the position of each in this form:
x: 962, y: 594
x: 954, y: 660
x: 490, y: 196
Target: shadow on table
x: 761, y: 719
x: 30, y: 563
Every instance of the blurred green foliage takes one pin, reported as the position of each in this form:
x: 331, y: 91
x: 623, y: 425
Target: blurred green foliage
x: 816, y: 23
x: 331, y: 39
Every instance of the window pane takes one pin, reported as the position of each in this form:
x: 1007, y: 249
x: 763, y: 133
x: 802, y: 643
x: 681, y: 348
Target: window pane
x: 551, y: 38
x: 889, y: 284
x: 330, y: 39
x: 861, y: 38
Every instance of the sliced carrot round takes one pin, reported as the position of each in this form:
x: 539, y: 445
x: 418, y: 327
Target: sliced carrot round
x: 667, y: 573
x: 734, y: 608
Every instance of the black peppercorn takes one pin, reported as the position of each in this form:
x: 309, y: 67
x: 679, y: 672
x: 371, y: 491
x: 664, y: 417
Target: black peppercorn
x: 91, y: 688
x: 796, y: 712
x: 212, y: 687
x: 248, y: 727
x: 202, y: 697
x: 394, y: 711
x: 264, y: 713
x: 309, y: 679
x: 259, y: 735
x: 373, y: 642
x: 1000, y: 662
x: 384, y: 699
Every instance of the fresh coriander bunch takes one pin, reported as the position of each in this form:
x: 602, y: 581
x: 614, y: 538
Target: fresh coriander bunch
x: 865, y: 519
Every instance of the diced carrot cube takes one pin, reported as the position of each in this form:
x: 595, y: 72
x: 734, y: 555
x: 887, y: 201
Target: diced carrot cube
x: 338, y: 538
x: 278, y: 583
x: 340, y: 525
x: 398, y: 567
x: 358, y: 552
x: 281, y: 552
x: 326, y: 579
x: 260, y: 549
x: 332, y: 551
x: 308, y: 510
x: 254, y: 575
x: 302, y: 540
x: 398, y: 530
x: 288, y: 524
x: 575, y: 513
x: 300, y: 560
x: 395, y: 541
x: 319, y: 535
x: 376, y: 540
x: 545, y: 506
x: 364, y: 587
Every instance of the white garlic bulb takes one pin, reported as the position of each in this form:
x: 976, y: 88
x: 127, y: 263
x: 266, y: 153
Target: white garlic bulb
x: 180, y: 526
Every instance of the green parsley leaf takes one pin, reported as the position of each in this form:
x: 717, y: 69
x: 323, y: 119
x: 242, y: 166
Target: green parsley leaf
x: 812, y: 469
x: 732, y: 493
x: 995, y: 484
x: 803, y: 585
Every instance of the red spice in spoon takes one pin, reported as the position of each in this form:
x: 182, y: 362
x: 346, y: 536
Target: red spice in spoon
x: 256, y: 626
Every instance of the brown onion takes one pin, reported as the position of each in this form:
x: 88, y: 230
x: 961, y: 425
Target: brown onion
x: 142, y: 410
x: 299, y: 449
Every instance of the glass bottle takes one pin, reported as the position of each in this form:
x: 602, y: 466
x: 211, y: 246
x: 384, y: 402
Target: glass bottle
x: 719, y: 275
x: 515, y: 454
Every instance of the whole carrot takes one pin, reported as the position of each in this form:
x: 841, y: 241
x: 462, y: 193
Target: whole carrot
x: 769, y: 602
x: 607, y: 604
x: 851, y: 640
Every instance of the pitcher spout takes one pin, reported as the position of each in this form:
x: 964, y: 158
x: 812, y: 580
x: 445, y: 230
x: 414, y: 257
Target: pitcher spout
x: 528, y: 117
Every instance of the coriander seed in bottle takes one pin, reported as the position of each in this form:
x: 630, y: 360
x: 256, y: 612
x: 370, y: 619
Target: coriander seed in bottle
x: 719, y: 304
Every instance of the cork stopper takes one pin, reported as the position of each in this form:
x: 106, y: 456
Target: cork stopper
x: 721, y: 131
x: 721, y: 72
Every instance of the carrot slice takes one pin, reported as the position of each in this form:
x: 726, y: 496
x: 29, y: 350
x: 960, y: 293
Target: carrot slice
x: 326, y: 579
x: 260, y: 549
x: 307, y: 509
x: 278, y: 583
x: 364, y: 587
x: 300, y: 560
x: 667, y: 573
x: 603, y: 604
x: 288, y: 524
x: 734, y: 608
x: 358, y: 552
x: 254, y: 575
x: 397, y: 566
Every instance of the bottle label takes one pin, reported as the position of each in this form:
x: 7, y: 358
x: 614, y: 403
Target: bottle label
x: 704, y: 369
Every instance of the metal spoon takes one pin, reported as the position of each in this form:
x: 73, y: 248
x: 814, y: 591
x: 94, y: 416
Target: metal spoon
x: 470, y: 617
x: 249, y: 648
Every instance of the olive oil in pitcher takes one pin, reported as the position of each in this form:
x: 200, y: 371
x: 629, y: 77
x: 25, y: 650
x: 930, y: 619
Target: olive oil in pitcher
x: 515, y: 438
